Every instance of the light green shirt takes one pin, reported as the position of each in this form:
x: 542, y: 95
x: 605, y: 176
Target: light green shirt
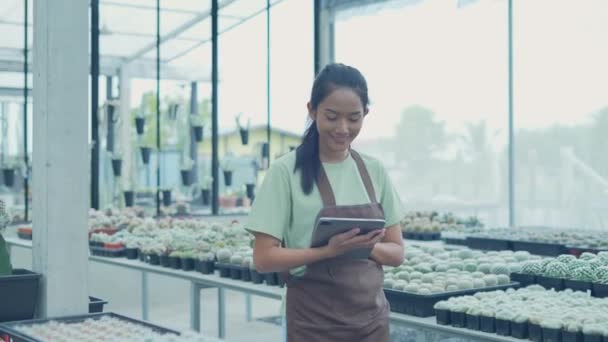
x: 282, y: 210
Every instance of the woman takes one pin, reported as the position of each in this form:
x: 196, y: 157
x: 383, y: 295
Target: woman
x: 329, y: 298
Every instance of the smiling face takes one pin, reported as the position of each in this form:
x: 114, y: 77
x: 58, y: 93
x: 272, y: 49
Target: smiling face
x: 339, y: 118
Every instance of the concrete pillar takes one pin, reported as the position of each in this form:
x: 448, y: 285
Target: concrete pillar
x: 61, y: 169
x: 324, y: 35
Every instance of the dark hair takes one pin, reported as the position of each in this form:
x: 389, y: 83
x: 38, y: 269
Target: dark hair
x: 332, y: 76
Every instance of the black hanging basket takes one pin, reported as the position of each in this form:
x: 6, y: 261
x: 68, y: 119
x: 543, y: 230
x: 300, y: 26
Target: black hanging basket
x: 166, y: 198
x: 186, y: 179
x: 198, y: 133
x: 116, y: 167
x: 244, y: 136
x: 9, y: 177
x: 205, y: 196
x: 139, y: 125
x: 265, y: 150
x: 228, y: 178
x: 250, y: 189
x: 145, y: 154
x: 129, y: 198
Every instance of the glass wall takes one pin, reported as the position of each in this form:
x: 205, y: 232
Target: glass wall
x: 561, y: 113
x: 437, y: 78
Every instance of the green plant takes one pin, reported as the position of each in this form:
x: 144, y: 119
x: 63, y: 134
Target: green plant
x: 240, y: 125
x: 187, y: 164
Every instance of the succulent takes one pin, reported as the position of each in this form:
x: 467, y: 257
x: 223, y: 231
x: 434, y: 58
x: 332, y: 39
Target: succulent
x: 566, y: 258
x: 499, y: 269
x: 223, y: 255
x: 556, y: 269
x: 485, y: 268
x: 584, y: 274
x: 532, y: 267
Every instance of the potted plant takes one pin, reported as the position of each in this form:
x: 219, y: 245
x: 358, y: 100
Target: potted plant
x: 186, y: 171
x: 206, y: 184
x: 9, y: 168
x: 250, y: 187
x: 197, y: 123
x: 228, y: 168
x: 243, y: 129
x: 140, y: 121
x: 166, y: 197
x: 116, y: 163
x: 145, y: 153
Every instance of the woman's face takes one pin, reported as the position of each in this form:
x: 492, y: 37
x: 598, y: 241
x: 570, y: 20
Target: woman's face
x: 339, y: 118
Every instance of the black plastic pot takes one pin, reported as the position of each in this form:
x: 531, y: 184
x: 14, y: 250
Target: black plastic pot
x: 164, y: 261
x: 96, y: 305
x: 224, y: 270
x: 552, y: 335
x: 235, y: 272
x: 265, y: 150
x: 142, y: 257
x: 139, y: 125
x: 600, y: 290
x: 592, y: 338
x: 153, y: 259
x: 187, y: 264
x: 524, y: 279
x: 250, y: 188
x: 256, y: 278
x: 503, y: 327
x: 166, y: 198
x: 19, y: 295
x: 198, y: 133
x: 535, y: 332
x: 442, y: 316
x: 175, y: 262
x: 244, y: 136
x: 145, y: 154
x: 207, y: 267
x: 205, y: 196
x: 568, y: 336
x: 472, y: 322
x: 131, y: 253
x: 228, y: 178
x: 577, y: 285
x: 550, y: 283
x: 117, y: 167
x: 129, y: 197
x: 457, y: 319
x: 245, y: 274
x: 487, y: 324
x: 9, y: 177
x: 271, y: 279
x: 186, y: 179
x: 519, y: 330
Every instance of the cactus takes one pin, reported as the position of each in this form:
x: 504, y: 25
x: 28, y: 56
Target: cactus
x: 585, y: 274
x: 557, y: 269
x: 485, y: 268
x: 566, y: 258
x: 499, y: 269
x: 532, y: 267
x: 223, y: 255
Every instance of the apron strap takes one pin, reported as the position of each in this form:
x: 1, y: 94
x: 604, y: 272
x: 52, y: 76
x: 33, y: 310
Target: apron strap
x: 367, y: 180
x: 327, y: 194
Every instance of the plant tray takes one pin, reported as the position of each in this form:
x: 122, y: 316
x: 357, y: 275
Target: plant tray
x: 421, y: 236
x: 108, y: 252
x: 8, y: 329
x: 422, y: 305
x: 452, y: 241
x: 577, y: 285
x: 539, y: 248
x: 550, y: 283
x: 524, y: 279
x: 24, y: 236
x: 488, y: 244
x: 19, y: 295
x: 599, y: 290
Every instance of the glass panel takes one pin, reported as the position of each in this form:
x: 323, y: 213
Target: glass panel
x: 561, y: 113
x: 438, y: 115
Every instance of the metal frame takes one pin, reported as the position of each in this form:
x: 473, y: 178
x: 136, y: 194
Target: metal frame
x: 94, y: 103
x: 512, y: 221
x: 26, y: 185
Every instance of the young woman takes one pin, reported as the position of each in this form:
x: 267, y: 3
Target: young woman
x: 329, y: 298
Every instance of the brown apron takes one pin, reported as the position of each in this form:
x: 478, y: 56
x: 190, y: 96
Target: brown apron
x: 340, y: 299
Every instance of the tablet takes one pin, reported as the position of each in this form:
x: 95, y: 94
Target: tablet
x: 329, y: 226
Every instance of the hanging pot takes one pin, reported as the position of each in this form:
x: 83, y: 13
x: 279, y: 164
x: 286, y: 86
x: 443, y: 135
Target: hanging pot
x: 9, y: 177
x: 116, y: 167
x: 166, y: 198
x: 186, y: 179
x: 205, y: 196
x: 198, y: 133
x: 228, y: 178
x: 250, y: 188
x: 129, y: 198
x: 145, y: 154
x: 244, y: 135
x: 139, y: 125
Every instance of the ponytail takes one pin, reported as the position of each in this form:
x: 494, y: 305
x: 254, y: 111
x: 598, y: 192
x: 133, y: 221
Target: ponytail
x: 307, y: 158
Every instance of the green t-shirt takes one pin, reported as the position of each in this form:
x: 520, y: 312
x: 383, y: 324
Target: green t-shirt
x: 282, y: 210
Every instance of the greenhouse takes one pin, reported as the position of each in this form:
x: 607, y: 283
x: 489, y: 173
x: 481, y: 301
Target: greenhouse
x: 303, y: 170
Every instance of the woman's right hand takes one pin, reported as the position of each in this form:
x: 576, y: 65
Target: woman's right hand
x: 342, y: 243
